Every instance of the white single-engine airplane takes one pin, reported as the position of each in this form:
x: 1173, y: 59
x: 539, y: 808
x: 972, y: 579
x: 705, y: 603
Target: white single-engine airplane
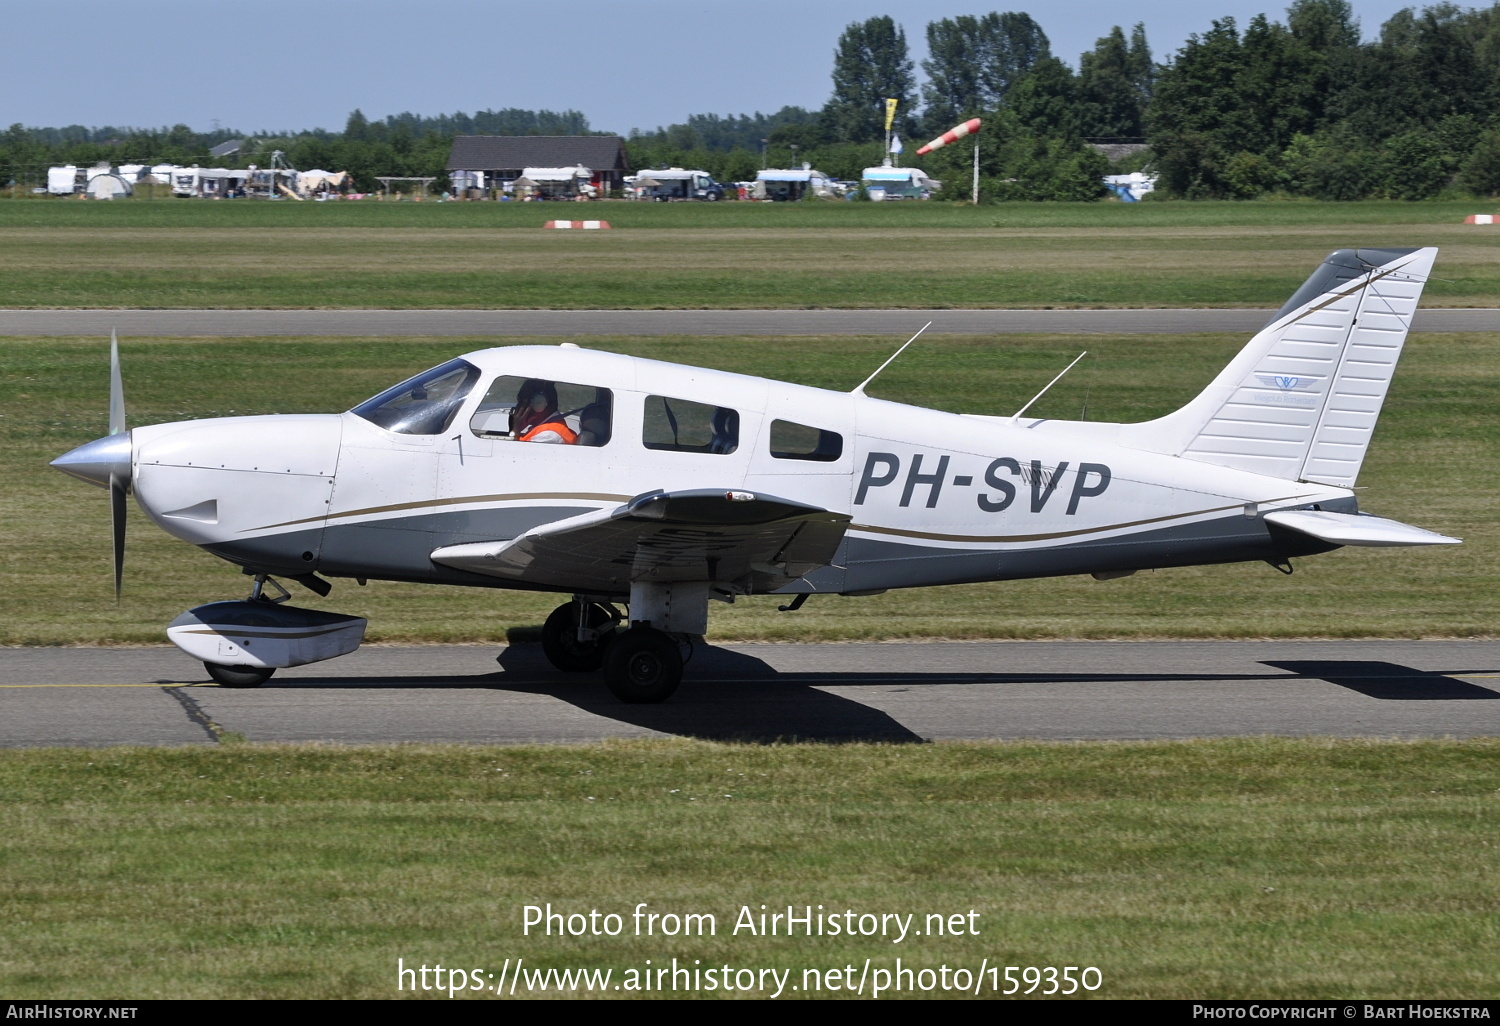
x: 656, y: 487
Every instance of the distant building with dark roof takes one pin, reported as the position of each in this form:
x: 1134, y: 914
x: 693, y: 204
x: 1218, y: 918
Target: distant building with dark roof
x: 1116, y: 150
x: 502, y: 158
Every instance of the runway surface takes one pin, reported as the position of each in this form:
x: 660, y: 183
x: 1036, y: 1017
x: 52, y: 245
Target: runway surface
x: 885, y: 692
x: 390, y: 323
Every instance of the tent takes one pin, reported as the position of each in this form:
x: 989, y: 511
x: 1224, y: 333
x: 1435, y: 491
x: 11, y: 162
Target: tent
x: 556, y: 174
x: 556, y: 182
x: 106, y: 184
x: 309, y: 182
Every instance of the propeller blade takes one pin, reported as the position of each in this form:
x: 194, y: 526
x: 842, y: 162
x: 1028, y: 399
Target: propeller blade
x: 117, y: 526
x: 119, y: 483
x: 116, y: 388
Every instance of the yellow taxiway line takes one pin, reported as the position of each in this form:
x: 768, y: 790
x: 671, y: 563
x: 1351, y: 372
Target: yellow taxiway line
x: 183, y: 685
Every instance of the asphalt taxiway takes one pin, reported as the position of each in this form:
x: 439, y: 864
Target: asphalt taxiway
x: 759, y: 692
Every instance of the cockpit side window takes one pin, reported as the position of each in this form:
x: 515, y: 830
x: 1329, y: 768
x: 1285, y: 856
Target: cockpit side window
x: 521, y: 409
x: 791, y: 441
x: 425, y: 404
x: 681, y: 425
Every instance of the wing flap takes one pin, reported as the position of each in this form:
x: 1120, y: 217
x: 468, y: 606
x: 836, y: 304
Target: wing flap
x: 744, y: 540
x: 1355, y: 529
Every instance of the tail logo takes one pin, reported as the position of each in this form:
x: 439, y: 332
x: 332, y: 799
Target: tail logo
x: 1286, y: 382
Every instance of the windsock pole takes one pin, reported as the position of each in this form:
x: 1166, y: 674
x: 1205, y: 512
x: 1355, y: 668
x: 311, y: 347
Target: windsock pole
x: 953, y: 135
x: 976, y: 172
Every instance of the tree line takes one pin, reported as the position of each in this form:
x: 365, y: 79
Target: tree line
x: 1038, y: 113
x: 1300, y: 108
x: 1307, y: 109
x: 403, y: 144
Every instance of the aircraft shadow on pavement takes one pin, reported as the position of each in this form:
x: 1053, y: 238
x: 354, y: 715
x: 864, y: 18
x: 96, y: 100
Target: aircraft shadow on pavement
x: 1390, y: 681
x: 724, y: 696
x: 732, y: 696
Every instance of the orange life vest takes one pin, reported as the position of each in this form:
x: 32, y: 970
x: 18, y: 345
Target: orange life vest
x: 555, y: 424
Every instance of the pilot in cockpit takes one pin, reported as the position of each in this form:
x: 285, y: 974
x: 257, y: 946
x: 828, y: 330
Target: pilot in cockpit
x: 537, y: 418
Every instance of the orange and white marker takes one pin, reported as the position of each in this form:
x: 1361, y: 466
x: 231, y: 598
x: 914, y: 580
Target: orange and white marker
x: 1480, y: 219
x: 576, y: 224
x: 952, y: 135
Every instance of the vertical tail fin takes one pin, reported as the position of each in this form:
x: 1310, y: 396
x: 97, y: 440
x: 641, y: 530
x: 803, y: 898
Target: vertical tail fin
x: 1301, y: 399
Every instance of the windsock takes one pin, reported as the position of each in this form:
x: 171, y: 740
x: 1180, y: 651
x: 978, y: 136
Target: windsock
x: 952, y: 135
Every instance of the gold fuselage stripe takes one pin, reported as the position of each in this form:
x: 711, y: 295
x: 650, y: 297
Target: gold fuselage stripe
x: 434, y: 503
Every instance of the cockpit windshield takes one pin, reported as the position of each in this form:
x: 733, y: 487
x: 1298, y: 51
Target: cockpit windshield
x: 425, y: 404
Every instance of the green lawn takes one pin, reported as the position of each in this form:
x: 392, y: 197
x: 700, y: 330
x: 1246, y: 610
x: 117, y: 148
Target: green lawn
x: 1256, y: 868
x: 177, y: 213
x: 476, y: 255
x: 1438, y: 420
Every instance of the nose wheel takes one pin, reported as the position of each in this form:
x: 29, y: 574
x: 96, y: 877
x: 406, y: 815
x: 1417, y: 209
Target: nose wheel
x: 642, y: 666
x: 238, y: 676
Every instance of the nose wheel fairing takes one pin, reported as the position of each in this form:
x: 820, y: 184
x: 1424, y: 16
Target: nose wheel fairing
x: 264, y: 634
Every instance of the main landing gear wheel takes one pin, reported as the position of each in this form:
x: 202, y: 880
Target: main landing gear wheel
x: 239, y: 676
x: 560, y: 642
x: 642, y: 665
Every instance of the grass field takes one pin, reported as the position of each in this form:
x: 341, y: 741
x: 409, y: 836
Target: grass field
x: 1427, y: 466
x: 164, y: 213
x: 844, y: 255
x: 1227, y: 869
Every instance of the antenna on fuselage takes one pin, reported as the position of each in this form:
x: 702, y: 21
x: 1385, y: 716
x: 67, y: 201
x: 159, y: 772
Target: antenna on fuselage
x: 861, y: 389
x: 1054, y: 381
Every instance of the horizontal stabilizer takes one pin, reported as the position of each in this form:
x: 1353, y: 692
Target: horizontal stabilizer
x: 744, y: 540
x: 1355, y: 529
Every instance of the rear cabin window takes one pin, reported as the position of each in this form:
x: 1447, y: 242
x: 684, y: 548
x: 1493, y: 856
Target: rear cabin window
x: 791, y: 441
x: 521, y: 409
x: 680, y: 425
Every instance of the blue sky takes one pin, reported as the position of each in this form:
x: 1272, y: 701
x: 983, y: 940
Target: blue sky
x: 625, y: 64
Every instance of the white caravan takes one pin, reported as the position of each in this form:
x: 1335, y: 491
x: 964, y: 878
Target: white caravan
x: 895, y: 183
x: 65, y: 180
x: 675, y: 183
x: 790, y: 185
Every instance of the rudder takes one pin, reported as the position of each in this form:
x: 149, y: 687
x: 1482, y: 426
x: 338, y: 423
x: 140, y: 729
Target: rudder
x: 1300, y: 401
